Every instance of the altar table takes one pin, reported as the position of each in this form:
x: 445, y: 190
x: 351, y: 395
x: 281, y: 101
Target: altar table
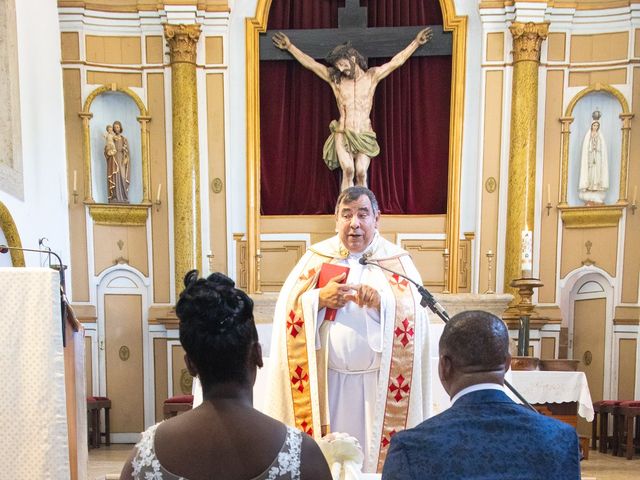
x: 545, y: 387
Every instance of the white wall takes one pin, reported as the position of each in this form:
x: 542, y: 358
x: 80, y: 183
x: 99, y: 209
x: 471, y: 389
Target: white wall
x: 43, y: 212
x: 237, y: 191
x: 471, y: 152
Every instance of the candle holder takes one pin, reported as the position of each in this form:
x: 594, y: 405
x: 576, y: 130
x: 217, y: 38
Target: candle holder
x: 210, y: 257
x: 633, y: 207
x: 548, y: 207
x: 445, y: 256
x: 490, y: 256
x: 75, y: 197
x: 157, y: 202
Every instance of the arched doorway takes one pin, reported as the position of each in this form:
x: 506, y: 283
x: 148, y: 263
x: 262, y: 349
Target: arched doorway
x: 122, y: 360
x: 587, y: 298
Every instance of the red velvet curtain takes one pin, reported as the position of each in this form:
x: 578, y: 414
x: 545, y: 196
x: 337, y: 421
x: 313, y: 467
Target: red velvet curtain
x: 410, y: 117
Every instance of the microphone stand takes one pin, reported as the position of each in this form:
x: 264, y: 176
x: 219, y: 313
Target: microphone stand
x: 428, y: 300
x: 63, y: 302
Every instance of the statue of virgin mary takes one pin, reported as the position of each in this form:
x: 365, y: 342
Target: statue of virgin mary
x: 594, y: 166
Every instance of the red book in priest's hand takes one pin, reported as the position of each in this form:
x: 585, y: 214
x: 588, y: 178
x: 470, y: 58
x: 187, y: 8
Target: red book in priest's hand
x: 327, y: 272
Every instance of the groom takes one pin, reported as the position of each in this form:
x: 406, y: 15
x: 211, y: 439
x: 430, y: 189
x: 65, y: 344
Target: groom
x: 484, y: 434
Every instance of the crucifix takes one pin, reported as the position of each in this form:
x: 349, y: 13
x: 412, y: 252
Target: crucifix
x: 352, y: 142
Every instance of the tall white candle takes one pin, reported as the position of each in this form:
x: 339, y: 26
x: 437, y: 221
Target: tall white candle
x: 527, y: 251
x: 158, y: 193
x: 75, y: 180
x: 548, y: 194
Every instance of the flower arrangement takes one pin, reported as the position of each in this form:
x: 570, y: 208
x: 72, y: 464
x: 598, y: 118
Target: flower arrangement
x: 343, y: 454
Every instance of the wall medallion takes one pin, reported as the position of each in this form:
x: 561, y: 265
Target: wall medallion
x: 490, y: 184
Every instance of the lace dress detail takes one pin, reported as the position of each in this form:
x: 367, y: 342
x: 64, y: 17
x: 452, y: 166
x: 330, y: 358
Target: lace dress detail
x: 286, y: 465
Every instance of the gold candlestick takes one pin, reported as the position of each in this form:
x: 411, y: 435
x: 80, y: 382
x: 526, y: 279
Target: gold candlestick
x: 490, y: 256
x: 445, y: 255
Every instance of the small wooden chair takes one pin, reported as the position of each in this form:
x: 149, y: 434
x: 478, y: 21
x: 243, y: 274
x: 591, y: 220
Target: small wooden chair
x: 606, y: 407
x: 94, y: 407
x: 627, y: 441
x: 174, y: 405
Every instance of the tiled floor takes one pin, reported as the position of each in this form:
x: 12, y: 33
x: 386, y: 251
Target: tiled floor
x: 106, y: 462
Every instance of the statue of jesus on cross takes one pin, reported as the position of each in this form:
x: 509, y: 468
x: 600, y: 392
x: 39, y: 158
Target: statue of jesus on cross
x: 352, y: 142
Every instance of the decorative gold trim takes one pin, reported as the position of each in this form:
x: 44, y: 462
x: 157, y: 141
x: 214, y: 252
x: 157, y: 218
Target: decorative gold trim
x: 458, y: 26
x: 527, y: 40
x: 134, y: 6
x: 143, y: 119
x: 253, y: 27
x: 113, y: 214
x: 591, y: 217
x: 625, y: 118
x: 574, y: 4
x: 10, y: 230
x: 183, y: 42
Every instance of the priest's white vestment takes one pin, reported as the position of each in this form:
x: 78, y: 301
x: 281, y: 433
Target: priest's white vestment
x: 367, y: 372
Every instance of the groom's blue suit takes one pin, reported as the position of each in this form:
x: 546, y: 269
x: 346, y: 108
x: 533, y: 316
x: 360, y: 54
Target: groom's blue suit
x: 485, y: 435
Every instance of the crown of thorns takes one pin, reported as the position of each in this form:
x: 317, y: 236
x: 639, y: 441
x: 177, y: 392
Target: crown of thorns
x: 346, y: 51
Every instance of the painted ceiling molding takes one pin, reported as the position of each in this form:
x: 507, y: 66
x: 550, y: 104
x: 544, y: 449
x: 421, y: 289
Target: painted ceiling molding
x: 578, y: 5
x: 143, y: 5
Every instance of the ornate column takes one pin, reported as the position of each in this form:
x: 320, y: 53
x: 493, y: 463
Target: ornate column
x: 183, y: 40
x: 527, y: 40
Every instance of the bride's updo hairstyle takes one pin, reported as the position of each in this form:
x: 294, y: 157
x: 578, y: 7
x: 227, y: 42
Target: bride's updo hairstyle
x: 216, y: 327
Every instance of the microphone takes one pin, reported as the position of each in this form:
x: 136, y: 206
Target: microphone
x: 428, y: 300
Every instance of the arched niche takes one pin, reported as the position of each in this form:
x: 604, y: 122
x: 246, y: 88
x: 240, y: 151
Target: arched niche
x: 615, y: 125
x: 104, y: 106
x: 10, y: 233
x: 457, y: 25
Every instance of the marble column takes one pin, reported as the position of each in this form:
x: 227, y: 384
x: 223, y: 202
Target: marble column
x: 182, y: 41
x: 527, y: 41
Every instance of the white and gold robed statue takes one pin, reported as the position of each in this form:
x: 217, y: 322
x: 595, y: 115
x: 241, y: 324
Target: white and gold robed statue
x: 594, y: 165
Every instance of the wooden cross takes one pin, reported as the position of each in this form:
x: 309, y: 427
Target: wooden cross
x: 352, y: 26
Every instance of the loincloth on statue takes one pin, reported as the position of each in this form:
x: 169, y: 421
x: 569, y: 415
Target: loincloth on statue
x: 364, y: 142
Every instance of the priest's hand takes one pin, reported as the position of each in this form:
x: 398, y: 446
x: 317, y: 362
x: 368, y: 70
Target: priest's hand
x: 365, y: 296
x: 335, y: 294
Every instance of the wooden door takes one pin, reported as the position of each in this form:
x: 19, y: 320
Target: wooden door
x: 122, y: 368
x: 589, y: 337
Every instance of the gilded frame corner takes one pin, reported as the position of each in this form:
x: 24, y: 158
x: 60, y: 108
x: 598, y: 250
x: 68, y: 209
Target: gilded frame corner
x: 10, y: 230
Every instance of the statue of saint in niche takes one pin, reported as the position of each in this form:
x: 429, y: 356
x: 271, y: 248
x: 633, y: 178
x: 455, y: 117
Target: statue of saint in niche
x: 116, y: 152
x: 594, y: 166
x: 352, y: 142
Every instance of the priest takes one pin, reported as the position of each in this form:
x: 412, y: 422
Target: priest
x: 362, y: 369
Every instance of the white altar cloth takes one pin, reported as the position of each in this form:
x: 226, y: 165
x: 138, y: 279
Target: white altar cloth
x: 555, y: 387
x: 33, y: 412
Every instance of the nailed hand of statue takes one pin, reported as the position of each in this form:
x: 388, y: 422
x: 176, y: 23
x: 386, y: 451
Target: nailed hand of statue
x: 424, y: 35
x: 281, y: 41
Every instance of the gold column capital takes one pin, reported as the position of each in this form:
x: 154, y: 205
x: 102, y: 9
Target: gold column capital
x: 527, y: 40
x: 182, y: 40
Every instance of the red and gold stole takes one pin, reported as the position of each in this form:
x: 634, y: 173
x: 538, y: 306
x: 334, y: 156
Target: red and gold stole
x: 402, y: 356
x: 297, y: 349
